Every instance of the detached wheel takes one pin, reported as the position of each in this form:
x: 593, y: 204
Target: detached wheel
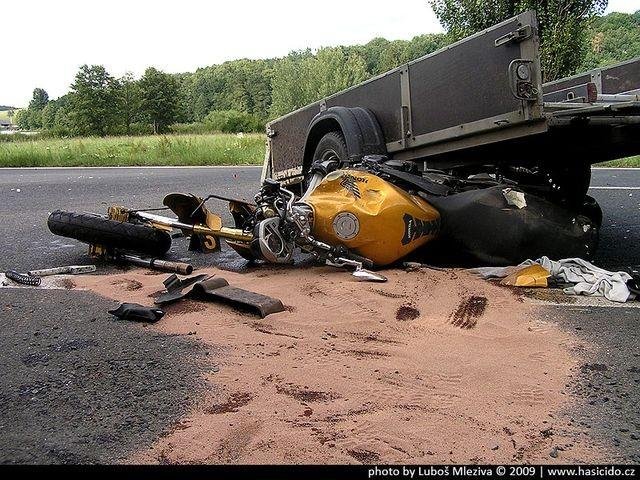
x: 94, y: 229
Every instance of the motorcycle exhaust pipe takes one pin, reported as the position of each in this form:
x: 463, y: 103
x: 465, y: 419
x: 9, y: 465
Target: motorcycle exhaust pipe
x: 223, y: 232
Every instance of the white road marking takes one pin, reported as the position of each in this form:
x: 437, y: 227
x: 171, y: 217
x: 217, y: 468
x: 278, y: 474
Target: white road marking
x: 614, y: 188
x: 614, y: 168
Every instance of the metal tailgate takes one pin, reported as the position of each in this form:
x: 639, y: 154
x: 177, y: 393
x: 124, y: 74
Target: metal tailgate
x: 467, y: 90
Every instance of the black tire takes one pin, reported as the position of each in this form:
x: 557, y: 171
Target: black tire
x: 331, y: 146
x: 98, y: 230
x: 569, y: 182
x: 591, y: 209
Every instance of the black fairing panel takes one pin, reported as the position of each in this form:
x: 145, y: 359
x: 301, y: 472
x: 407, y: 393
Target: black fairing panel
x: 480, y: 225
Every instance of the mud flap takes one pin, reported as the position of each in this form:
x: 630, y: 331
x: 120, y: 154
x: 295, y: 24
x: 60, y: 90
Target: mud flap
x: 218, y: 289
x: 184, y: 205
x: 203, y: 287
x: 481, y: 225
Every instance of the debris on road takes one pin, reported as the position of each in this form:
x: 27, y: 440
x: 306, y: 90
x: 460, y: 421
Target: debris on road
x: 413, y: 266
x: 66, y: 270
x: 219, y: 289
x: 137, y: 312
x: 205, y: 287
x: 23, y: 279
x: 530, y: 276
x: 55, y: 282
x: 176, y: 287
x: 152, y: 263
x: 582, y: 277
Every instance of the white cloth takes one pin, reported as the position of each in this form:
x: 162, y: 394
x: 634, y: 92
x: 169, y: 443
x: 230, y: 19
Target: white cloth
x: 586, y: 277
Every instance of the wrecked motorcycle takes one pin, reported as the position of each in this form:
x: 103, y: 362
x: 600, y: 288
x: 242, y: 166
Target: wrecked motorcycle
x: 365, y: 214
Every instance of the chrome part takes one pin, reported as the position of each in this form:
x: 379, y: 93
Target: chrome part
x: 314, y: 181
x: 346, y: 225
x: 273, y: 246
x: 360, y: 273
x: 368, y: 276
x: 160, y: 220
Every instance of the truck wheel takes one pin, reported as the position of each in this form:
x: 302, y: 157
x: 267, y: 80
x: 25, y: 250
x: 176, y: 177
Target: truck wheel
x: 331, y: 146
x: 94, y: 229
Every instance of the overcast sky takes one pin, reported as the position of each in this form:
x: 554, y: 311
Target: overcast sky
x: 45, y: 41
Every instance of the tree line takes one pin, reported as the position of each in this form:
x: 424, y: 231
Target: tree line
x: 99, y: 104
x: 242, y: 95
x: 239, y: 95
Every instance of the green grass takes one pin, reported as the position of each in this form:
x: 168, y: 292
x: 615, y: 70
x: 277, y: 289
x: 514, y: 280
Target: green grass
x: 630, y: 162
x: 4, y: 115
x: 216, y: 149
x: 211, y: 149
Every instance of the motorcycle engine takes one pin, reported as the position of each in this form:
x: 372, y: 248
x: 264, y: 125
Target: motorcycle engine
x: 280, y: 224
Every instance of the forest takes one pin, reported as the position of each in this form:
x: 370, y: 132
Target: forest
x: 241, y: 95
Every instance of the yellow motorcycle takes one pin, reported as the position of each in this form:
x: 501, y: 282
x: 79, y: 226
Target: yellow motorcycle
x: 364, y: 215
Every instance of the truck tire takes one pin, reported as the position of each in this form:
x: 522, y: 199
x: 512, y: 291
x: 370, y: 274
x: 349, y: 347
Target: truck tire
x: 331, y: 145
x: 111, y: 234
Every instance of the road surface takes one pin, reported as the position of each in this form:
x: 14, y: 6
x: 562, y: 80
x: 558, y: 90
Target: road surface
x: 62, y: 403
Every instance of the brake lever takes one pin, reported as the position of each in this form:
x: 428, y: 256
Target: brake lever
x: 201, y: 205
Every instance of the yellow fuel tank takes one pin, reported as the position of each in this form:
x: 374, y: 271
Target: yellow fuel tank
x: 370, y: 216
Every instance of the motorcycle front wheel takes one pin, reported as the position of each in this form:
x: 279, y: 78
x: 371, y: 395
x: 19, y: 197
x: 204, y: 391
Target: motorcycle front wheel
x: 111, y: 234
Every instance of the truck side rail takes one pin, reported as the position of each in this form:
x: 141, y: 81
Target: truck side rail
x: 483, y: 89
x: 607, y: 83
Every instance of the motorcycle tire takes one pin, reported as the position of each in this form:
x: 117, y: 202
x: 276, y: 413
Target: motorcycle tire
x: 110, y: 234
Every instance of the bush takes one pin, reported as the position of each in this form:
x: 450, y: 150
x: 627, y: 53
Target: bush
x: 56, y: 132
x: 135, y: 129
x: 196, y: 128
x: 19, y: 137
x: 232, y: 121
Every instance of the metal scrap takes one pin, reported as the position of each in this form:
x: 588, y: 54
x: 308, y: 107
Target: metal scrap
x: 205, y: 287
x: 177, y: 288
x: 153, y: 263
x: 23, y: 278
x: 66, y: 270
x: 219, y: 289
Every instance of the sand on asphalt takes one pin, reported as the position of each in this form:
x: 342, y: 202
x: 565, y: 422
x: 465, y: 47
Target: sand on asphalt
x: 429, y: 367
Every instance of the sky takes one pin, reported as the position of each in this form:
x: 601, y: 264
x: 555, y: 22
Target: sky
x: 46, y: 41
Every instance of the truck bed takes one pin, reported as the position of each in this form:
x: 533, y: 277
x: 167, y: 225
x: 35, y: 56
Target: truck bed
x: 466, y: 104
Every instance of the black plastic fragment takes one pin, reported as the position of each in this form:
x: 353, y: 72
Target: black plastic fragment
x: 177, y: 288
x: 138, y: 313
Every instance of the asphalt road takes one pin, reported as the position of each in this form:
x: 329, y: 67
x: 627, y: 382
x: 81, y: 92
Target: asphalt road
x: 78, y: 386
x: 29, y: 195
x: 81, y: 387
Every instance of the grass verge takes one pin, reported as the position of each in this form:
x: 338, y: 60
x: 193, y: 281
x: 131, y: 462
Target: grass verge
x: 629, y: 162
x: 153, y: 150
x: 217, y: 149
